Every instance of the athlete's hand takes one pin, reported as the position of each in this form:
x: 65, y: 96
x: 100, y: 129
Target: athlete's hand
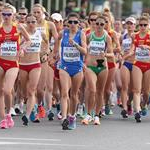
x: 21, y: 53
x: 51, y: 62
x: 71, y: 41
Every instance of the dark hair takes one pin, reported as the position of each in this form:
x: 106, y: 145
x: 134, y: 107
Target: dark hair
x: 73, y: 15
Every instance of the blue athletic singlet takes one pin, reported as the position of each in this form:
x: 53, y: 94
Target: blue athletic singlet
x: 71, y: 58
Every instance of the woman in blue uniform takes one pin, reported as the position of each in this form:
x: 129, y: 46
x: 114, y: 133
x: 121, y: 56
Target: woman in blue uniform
x: 73, y: 47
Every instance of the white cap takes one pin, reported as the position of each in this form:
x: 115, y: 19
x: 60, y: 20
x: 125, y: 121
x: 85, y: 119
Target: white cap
x: 57, y: 17
x: 130, y: 19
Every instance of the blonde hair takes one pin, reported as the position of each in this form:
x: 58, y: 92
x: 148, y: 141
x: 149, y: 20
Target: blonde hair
x: 145, y: 17
x: 107, y: 13
x: 40, y: 6
x: 8, y: 6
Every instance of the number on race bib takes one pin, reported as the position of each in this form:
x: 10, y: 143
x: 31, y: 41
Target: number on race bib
x: 9, y: 49
x: 71, y: 54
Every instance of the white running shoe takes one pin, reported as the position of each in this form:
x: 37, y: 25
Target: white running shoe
x: 12, y: 112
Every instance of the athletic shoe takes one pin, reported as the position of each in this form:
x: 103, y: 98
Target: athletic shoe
x: 96, y: 120
x: 25, y: 120
x: 3, y: 124
x: 17, y: 109
x: 37, y: 119
x: 65, y: 124
x: 41, y: 112
x: 59, y: 116
x: 144, y: 111
x: 32, y: 116
x: 10, y: 122
x: 124, y: 114
x: 87, y: 120
x: 12, y: 112
x: 138, y: 117
x: 72, y: 123
x: 50, y: 115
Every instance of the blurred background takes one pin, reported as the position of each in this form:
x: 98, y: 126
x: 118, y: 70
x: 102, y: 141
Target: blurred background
x: 120, y: 8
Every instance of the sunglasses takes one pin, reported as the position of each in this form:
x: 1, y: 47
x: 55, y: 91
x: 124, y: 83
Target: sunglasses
x: 23, y: 14
x: 143, y: 25
x: 33, y: 22
x: 7, y: 14
x: 73, y: 22
x: 129, y: 23
x: 101, y: 24
x: 92, y: 20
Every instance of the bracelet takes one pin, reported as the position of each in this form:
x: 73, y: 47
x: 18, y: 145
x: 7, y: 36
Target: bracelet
x: 75, y: 44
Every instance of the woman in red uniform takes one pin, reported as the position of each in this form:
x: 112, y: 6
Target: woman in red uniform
x: 141, y: 67
x: 9, y: 51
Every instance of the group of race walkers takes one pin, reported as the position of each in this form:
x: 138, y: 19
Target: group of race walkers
x: 73, y: 64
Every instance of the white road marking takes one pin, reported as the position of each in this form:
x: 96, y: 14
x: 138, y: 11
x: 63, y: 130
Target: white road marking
x: 30, y: 139
x: 42, y: 144
x: 148, y: 143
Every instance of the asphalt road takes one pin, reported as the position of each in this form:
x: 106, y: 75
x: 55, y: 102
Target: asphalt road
x: 114, y: 133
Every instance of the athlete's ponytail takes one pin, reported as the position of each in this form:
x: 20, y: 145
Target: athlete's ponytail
x: 145, y: 17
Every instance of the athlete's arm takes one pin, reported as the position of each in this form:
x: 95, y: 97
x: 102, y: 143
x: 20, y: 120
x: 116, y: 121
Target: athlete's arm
x: 83, y: 47
x: 44, y: 38
x: 109, y: 52
x: 26, y: 36
x: 54, y: 33
x: 117, y: 48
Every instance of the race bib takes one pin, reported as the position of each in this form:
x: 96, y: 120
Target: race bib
x: 9, y: 49
x: 142, y: 54
x: 126, y: 44
x: 97, y: 47
x: 71, y: 54
x: 35, y: 46
x: 41, y: 29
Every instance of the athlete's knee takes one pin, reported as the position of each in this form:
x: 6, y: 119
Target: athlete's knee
x: 1, y: 91
x: 7, y: 91
x: 64, y: 95
x: 49, y: 88
x: 124, y: 88
x: 136, y: 91
x: 31, y: 91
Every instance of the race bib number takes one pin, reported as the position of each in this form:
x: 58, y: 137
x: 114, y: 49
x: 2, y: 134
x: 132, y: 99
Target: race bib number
x: 35, y: 46
x: 142, y: 54
x: 71, y: 54
x: 126, y: 45
x: 9, y: 49
x: 97, y: 47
